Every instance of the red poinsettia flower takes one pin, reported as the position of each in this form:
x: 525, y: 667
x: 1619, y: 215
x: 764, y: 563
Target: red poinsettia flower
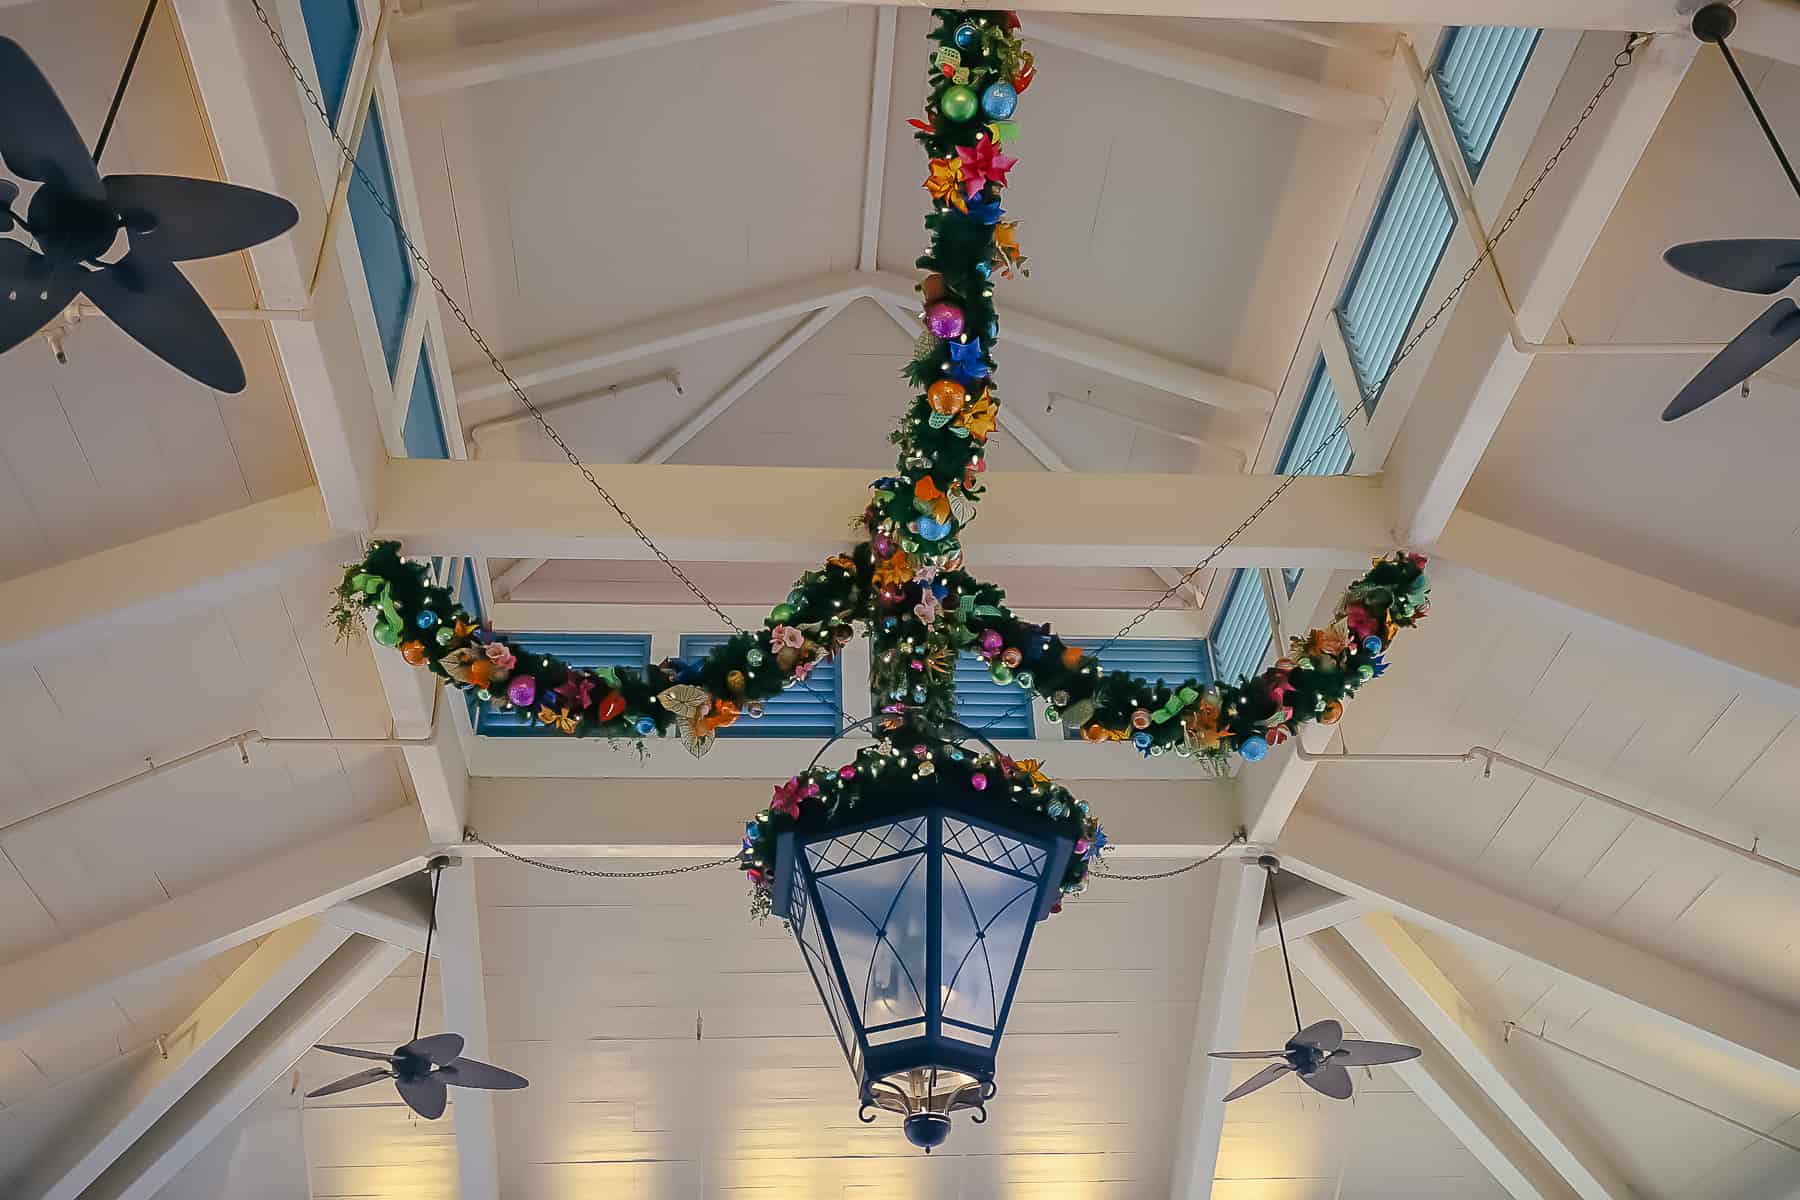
x: 983, y: 164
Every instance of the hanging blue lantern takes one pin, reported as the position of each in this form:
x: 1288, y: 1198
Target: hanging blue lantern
x: 915, y: 926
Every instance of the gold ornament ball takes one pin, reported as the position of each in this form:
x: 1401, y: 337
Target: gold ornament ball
x: 946, y: 396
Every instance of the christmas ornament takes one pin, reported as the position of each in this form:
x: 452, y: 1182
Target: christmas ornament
x: 983, y: 164
x: 944, y: 319
x: 522, y: 690
x: 946, y: 396
x: 967, y: 36
x: 958, y: 102
x: 999, y: 101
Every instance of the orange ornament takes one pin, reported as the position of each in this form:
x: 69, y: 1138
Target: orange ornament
x: 413, y: 653
x: 481, y: 672
x: 1071, y: 657
x: 946, y: 396
x: 933, y: 287
x: 1333, y: 711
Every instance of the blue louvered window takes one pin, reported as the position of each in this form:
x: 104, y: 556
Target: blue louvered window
x: 992, y: 709
x: 332, y: 27
x: 468, y: 593
x: 591, y: 650
x: 1242, y: 634
x: 423, y: 431
x: 386, y: 267
x: 1478, y: 71
x: 812, y: 710
x: 1315, y: 429
x: 1173, y: 661
x: 1412, y: 227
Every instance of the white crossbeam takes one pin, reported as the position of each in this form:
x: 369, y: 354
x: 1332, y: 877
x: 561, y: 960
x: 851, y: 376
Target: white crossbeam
x: 1132, y: 47
x: 1435, y: 1077
x: 794, y: 514
x: 1306, y: 908
x: 1648, y: 15
x: 166, y: 575
x: 1476, y: 1045
x: 216, y: 916
x: 630, y: 32
x: 1746, y: 1028
x: 250, y: 1069
x: 704, y: 818
x: 397, y: 914
x: 1477, y: 369
x: 1224, y: 986
x: 197, y: 1044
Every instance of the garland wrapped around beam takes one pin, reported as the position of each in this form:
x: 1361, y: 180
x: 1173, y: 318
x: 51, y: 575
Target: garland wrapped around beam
x: 904, y: 583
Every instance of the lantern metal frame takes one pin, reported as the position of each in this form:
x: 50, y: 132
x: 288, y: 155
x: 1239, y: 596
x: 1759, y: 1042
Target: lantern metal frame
x: 944, y: 1044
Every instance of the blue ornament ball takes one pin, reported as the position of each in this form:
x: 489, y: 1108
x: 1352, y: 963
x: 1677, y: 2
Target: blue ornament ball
x: 999, y: 101
x: 1141, y: 739
x: 966, y: 36
x: 645, y: 726
x: 1372, y: 644
x: 1254, y: 749
x: 426, y: 618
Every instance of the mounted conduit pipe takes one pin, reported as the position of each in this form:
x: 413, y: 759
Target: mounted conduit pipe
x: 1488, y: 756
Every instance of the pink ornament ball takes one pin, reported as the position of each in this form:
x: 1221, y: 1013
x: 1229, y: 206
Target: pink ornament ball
x: 991, y: 641
x: 944, y: 319
x: 846, y: 772
x: 978, y: 782
x: 522, y: 690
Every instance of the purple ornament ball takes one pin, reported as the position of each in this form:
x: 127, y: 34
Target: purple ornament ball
x: 944, y: 319
x: 990, y: 641
x: 522, y: 690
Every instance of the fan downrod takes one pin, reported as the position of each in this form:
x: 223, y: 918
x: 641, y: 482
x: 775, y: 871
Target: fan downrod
x: 1714, y: 23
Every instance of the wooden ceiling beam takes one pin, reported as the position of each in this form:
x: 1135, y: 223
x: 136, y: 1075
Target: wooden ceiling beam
x: 1647, y: 15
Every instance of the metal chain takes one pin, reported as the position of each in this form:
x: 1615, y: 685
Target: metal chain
x: 470, y: 836
x: 1367, y: 404
x: 418, y: 257
x: 1107, y: 872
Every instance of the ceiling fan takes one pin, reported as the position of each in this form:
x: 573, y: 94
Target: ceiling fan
x: 75, y: 216
x: 1319, y: 1054
x: 1762, y: 266
x: 424, y: 1067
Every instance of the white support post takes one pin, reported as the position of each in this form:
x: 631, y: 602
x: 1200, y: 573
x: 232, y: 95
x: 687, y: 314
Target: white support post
x: 592, y: 41
x: 881, y: 92
x: 166, y: 575
x: 216, y: 916
x: 1435, y: 1077
x: 1224, y: 985
x: 1475, y: 1043
x: 249, y: 1070
x: 1440, y: 445
x: 466, y: 1012
x: 1299, y: 94
x: 223, y: 1020
x: 1745, y: 1028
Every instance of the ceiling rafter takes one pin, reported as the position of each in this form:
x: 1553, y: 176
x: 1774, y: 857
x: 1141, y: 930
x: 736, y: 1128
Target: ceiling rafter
x: 1223, y: 73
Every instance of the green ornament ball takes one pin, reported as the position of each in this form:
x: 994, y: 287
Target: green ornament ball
x: 754, y: 657
x: 782, y: 614
x: 1053, y: 714
x: 1025, y: 679
x: 444, y: 634
x: 1000, y: 672
x: 959, y: 103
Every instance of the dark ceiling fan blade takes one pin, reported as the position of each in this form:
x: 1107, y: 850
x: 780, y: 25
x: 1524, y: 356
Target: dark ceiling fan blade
x: 353, y: 1052
x: 9, y: 191
x: 37, y: 138
x: 1261, y: 1079
x: 153, y: 302
x: 1761, y: 342
x: 1373, y: 1054
x: 1329, y: 1080
x: 185, y: 218
x: 1246, y: 1054
x: 360, y: 1079
x: 470, y: 1073
x: 439, y: 1049
x: 1320, y: 1035
x: 32, y: 291
x: 1760, y: 265
x: 425, y: 1095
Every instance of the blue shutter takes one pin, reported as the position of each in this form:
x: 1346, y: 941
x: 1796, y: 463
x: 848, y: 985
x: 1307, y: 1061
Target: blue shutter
x: 989, y: 708
x: 1241, y: 635
x: 1411, y: 230
x: 1478, y: 73
x: 802, y: 711
x: 423, y: 433
x: 1174, y: 661
x: 592, y: 650
x: 1315, y: 424
x: 332, y: 27
x: 468, y: 593
x: 386, y: 264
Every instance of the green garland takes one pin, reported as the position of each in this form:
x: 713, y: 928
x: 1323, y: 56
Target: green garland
x: 904, y: 584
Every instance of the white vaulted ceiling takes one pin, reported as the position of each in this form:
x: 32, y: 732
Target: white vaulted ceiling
x: 1535, y: 940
